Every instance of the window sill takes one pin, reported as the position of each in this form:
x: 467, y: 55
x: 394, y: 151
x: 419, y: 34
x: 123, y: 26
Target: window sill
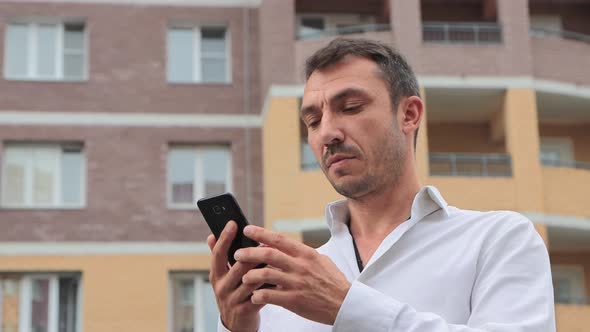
x: 45, y: 80
x: 204, y: 84
x: 41, y: 208
x: 182, y: 207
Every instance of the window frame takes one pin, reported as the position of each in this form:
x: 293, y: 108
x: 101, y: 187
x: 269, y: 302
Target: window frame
x: 199, y: 279
x: 574, y: 274
x: 29, y: 203
x: 198, y: 179
x: 197, y: 74
x: 33, y: 54
x: 26, y: 296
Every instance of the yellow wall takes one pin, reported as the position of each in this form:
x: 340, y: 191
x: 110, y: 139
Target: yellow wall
x: 579, y: 134
x: 572, y: 318
x: 120, y: 292
x: 462, y: 138
x: 566, y: 191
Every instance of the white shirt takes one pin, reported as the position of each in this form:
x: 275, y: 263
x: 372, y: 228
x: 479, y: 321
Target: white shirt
x: 444, y: 269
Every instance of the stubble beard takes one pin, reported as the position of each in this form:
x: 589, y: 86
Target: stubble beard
x: 386, y: 170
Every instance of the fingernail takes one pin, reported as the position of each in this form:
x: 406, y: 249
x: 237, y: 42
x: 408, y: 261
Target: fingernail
x: 237, y: 254
x: 230, y: 227
x: 248, y: 230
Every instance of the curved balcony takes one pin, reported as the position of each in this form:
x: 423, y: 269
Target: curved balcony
x: 561, y: 55
x: 311, y: 41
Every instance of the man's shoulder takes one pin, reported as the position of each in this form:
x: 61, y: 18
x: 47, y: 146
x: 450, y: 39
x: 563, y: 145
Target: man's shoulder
x: 497, y: 218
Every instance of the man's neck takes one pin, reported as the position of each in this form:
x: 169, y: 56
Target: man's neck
x: 375, y: 216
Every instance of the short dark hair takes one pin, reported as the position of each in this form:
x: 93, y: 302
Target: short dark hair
x: 395, y: 69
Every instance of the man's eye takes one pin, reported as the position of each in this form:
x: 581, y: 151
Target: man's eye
x: 351, y: 109
x: 313, y: 123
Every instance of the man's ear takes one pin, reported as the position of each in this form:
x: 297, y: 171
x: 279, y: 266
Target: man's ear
x: 410, y: 113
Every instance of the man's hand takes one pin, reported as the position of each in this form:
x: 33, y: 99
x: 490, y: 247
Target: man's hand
x: 238, y: 313
x: 307, y: 283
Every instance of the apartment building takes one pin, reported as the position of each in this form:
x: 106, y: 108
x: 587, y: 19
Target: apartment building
x: 115, y: 115
x: 507, y: 127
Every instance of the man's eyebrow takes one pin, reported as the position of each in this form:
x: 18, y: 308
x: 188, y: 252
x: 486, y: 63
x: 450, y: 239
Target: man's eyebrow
x: 349, y: 92
x: 308, y: 110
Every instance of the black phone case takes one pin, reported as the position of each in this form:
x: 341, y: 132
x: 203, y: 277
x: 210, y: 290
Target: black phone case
x: 217, y: 211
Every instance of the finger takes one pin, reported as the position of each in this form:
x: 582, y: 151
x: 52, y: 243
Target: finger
x: 272, y: 296
x: 244, y: 292
x: 267, y: 255
x: 233, y: 279
x: 211, y: 241
x: 219, y: 261
x: 268, y: 276
x: 277, y: 240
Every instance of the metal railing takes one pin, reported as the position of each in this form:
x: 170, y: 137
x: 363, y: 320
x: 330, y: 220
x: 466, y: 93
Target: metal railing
x: 462, y: 32
x: 572, y: 300
x: 544, y: 32
x: 470, y: 164
x: 361, y: 28
x: 565, y: 163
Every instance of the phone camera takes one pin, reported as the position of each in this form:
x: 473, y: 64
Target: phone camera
x: 217, y: 209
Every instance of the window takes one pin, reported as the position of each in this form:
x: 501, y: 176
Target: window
x: 43, y: 303
x: 557, y: 152
x: 193, y: 305
x: 45, y: 51
x: 43, y: 175
x: 198, y: 55
x: 568, y: 284
x: 195, y: 172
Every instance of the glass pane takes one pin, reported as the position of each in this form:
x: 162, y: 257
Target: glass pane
x: 211, y: 313
x: 68, y: 296
x: 215, y: 170
x: 213, y: 40
x: 40, y: 305
x: 45, y: 172
x: 17, y: 50
x: 183, y: 312
x: 13, y: 186
x: 74, y: 66
x: 308, y: 160
x: 46, y: 50
x: 71, y: 178
x: 181, y: 175
x: 180, y: 55
x: 214, y: 70
x: 10, y: 293
x: 74, y: 37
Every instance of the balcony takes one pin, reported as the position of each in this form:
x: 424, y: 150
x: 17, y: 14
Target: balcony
x: 565, y: 163
x: 560, y: 40
x: 360, y: 29
x: 470, y: 164
x: 461, y: 32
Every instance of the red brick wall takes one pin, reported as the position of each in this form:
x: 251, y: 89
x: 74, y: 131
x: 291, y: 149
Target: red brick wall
x: 126, y: 185
x: 127, y: 62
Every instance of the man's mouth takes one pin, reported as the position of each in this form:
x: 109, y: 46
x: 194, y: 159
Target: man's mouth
x: 334, y: 159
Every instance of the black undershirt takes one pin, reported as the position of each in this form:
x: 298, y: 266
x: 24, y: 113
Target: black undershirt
x: 359, y: 261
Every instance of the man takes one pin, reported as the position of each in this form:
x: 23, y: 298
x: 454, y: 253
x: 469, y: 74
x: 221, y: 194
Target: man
x: 399, y: 258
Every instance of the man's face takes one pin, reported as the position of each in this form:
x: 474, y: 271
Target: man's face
x: 352, y: 128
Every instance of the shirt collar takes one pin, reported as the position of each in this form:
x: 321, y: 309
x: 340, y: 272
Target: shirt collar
x: 426, y: 201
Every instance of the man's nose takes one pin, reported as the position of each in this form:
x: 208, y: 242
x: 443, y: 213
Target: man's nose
x: 330, y: 131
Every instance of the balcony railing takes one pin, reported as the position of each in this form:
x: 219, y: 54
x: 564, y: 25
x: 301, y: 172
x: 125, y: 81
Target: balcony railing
x: 468, y: 164
x: 361, y: 28
x: 565, y: 163
x: 544, y: 32
x: 462, y: 32
x: 572, y: 300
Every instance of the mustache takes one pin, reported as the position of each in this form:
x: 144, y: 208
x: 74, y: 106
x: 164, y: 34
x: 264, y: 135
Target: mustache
x: 333, y: 149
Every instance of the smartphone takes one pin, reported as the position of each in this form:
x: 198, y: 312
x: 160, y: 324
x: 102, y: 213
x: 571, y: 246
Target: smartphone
x: 217, y: 211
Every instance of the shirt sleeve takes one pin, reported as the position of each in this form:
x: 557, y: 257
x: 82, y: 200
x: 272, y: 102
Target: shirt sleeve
x: 220, y: 326
x: 512, y: 292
